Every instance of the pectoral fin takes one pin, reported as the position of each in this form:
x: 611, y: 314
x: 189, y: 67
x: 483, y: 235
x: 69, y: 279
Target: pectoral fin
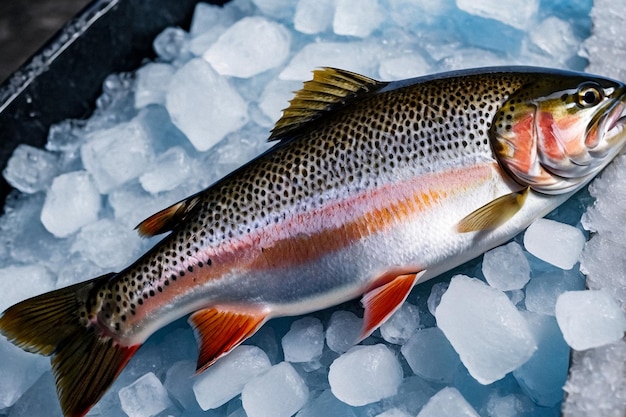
x: 381, y: 302
x: 494, y: 213
x: 219, y: 330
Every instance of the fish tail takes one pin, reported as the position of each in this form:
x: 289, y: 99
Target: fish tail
x: 84, y: 362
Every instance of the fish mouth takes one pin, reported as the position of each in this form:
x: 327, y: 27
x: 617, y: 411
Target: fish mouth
x: 615, y: 119
x: 617, y: 126
x: 607, y: 134
x: 610, y: 130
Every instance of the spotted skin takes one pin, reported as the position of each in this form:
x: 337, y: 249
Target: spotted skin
x: 389, y: 137
x: 386, y: 138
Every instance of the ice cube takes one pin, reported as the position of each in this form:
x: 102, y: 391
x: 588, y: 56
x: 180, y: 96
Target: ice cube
x: 393, y: 412
x: 278, y: 9
x: 266, y: 339
x: 40, y: 400
x: 493, y: 35
x: 66, y: 136
x: 436, y: 292
x: 357, y: 17
x: 304, y: 341
x: 179, y: 381
x: 555, y: 37
x: 195, y: 101
x: 556, y: 243
x: 171, y: 44
x: 20, y: 369
x: 403, y: 66
x: 72, y: 202
x: 448, y: 403
x: 545, y: 373
x: 401, y: 325
x: 227, y: 377
x: 326, y: 405
x: 168, y: 171
x: 30, y: 169
x: 412, y: 394
x: 459, y: 58
x: 206, y: 17
x: 510, y: 12
x: 146, y: 397
x: 279, y: 392
x: 415, y: 15
x: 107, y: 244
x: 511, y: 405
x: 275, y: 97
x: 359, y: 57
x: 117, y: 155
x: 490, y: 335
x: 430, y: 355
x: 115, y: 104
x: 365, y: 374
x: 179, y: 345
x: 152, y: 82
x: 313, y: 16
x: 200, y: 44
x: 249, y: 47
x: 163, y: 135
x: 543, y: 290
x: 516, y: 296
x: 76, y: 269
x: 132, y: 204
x: 26, y: 281
x: 343, y: 330
x: 506, y: 267
x: 589, y: 318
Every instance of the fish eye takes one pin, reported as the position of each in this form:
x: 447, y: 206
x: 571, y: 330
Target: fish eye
x: 589, y: 95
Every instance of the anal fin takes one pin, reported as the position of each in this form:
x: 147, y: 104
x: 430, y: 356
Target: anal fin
x: 381, y: 302
x: 494, y: 213
x: 219, y: 330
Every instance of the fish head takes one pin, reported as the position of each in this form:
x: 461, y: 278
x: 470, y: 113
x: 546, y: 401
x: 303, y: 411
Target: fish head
x: 559, y: 130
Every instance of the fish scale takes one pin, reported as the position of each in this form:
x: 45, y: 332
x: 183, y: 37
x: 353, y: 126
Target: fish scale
x: 372, y: 188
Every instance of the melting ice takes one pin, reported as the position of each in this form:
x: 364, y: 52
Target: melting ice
x: 494, y: 341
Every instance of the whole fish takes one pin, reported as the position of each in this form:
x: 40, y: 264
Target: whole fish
x: 371, y: 188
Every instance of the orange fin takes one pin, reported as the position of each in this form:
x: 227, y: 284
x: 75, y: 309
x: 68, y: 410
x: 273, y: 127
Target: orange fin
x: 381, y: 302
x: 84, y: 363
x: 220, y: 330
x: 168, y: 218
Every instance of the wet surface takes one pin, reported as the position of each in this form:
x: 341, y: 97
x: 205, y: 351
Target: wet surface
x: 26, y: 25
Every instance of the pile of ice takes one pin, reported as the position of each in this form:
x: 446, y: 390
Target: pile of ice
x: 491, y: 338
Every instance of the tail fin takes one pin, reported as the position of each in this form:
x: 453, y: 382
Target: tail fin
x: 84, y: 363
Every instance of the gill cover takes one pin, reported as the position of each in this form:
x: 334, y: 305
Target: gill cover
x: 556, y: 133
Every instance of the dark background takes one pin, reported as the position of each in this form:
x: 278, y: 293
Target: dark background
x: 25, y: 25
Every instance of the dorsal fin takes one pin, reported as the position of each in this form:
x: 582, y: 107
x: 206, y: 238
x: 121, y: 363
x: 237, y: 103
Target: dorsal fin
x: 168, y: 218
x: 329, y: 89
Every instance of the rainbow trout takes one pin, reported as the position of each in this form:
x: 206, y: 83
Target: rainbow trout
x: 371, y: 188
